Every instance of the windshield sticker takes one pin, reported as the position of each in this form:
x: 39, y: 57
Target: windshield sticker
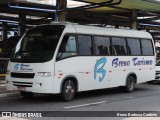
x: 99, y: 69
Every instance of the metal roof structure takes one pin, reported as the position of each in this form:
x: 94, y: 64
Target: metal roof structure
x: 119, y: 11
x: 104, y: 12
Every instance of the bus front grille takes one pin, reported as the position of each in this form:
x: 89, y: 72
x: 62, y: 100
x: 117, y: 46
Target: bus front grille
x: 22, y: 75
x: 23, y: 84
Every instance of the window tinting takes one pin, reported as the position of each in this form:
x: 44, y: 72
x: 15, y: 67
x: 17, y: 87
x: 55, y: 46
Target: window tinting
x: 133, y: 46
x: 119, y: 46
x: 102, y: 45
x: 85, y: 45
x: 68, y: 47
x: 38, y: 45
x: 147, y: 48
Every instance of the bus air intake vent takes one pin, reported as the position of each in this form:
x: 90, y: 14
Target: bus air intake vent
x: 23, y: 84
x: 22, y: 75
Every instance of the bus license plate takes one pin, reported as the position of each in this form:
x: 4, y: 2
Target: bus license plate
x: 19, y: 88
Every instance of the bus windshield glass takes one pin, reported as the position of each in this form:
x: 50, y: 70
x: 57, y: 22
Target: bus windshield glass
x: 38, y: 44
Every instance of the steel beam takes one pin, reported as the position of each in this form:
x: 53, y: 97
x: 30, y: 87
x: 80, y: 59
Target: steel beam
x: 4, y: 37
x: 60, y: 5
x: 22, y: 24
x: 133, y: 20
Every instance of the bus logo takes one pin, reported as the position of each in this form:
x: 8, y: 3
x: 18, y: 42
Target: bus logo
x: 16, y: 67
x: 99, y: 69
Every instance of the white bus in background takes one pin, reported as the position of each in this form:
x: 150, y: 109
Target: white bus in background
x: 65, y: 58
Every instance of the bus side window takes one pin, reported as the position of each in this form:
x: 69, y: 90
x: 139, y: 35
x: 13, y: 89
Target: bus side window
x: 85, y: 45
x: 119, y: 46
x: 68, y: 47
x: 102, y: 45
x: 133, y: 45
x: 147, y: 47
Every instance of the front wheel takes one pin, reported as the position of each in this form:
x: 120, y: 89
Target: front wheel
x: 68, y: 90
x: 130, y: 85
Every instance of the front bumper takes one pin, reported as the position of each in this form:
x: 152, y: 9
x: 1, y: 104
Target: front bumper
x: 35, y: 85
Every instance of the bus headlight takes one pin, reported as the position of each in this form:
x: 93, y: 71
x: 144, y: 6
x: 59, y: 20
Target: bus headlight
x: 43, y: 74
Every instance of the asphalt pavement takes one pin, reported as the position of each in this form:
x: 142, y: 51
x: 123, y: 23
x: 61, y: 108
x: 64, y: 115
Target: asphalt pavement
x: 146, y: 97
x: 6, y: 93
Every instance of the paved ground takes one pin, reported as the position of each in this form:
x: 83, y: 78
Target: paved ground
x: 4, y: 92
x: 145, y: 98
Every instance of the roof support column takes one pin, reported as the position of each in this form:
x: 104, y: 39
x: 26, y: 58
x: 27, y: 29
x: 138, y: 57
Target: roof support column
x: 22, y: 24
x: 61, y: 5
x: 133, y: 21
x: 4, y: 36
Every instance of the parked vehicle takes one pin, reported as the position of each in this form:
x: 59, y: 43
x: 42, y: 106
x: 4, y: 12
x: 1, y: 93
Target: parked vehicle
x: 65, y: 58
x: 157, y: 77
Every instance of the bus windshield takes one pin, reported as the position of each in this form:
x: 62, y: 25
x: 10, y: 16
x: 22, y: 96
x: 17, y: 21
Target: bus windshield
x: 38, y: 44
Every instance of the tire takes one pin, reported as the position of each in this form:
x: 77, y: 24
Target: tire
x: 27, y: 94
x: 68, y: 91
x: 130, y: 84
x: 150, y: 82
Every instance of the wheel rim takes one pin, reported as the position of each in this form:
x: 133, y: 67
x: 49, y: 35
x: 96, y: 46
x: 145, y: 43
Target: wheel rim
x: 69, y: 91
x: 131, y: 84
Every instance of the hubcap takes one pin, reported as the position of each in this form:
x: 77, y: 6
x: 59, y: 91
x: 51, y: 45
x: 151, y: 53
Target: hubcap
x: 69, y: 90
x: 131, y: 84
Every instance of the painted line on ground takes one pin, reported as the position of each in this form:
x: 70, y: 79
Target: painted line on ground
x: 2, y: 85
x: 83, y: 105
x: 3, y: 95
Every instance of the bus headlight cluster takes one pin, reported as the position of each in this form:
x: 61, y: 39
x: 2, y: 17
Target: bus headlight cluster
x: 43, y: 74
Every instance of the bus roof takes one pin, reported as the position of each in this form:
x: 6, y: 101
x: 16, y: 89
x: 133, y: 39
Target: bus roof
x: 81, y: 29
x: 95, y: 30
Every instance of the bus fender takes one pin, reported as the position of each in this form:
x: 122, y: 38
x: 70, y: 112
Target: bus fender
x: 74, y: 78
x: 131, y: 74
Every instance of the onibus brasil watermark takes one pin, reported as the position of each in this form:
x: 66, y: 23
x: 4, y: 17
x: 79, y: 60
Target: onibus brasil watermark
x: 21, y: 114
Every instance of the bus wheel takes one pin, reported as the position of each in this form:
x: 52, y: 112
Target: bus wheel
x: 27, y: 94
x: 68, y: 90
x: 130, y: 85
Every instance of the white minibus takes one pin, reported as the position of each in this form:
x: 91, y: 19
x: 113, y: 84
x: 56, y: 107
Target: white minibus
x: 66, y: 58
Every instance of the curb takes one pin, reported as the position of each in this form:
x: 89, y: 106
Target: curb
x: 2, y: 82
x: 9, y: 94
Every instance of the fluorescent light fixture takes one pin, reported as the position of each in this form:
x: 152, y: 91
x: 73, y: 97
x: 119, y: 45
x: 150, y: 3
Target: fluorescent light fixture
x: 153, y: 25
x: 70, y: 3
x: 146, y: 17
x: 153, y: 1
x: 8, y: 21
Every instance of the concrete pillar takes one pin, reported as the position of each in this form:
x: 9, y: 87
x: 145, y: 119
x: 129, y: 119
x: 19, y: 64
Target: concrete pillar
x: 61, y: 5
x: 22, y: 24
x: 133, y: 21
x: 4, y: 37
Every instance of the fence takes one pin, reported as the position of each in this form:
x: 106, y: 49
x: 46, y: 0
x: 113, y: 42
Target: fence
x: 3, y: 67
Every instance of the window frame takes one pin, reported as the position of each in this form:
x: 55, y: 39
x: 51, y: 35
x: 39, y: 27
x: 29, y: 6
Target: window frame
x: 95, y: 44
x: 92, y: 43
x: 68, y: 34
x: 139, y: 39
x: 111, y: 44
x: 125, y: 45
x: 153, y: 54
